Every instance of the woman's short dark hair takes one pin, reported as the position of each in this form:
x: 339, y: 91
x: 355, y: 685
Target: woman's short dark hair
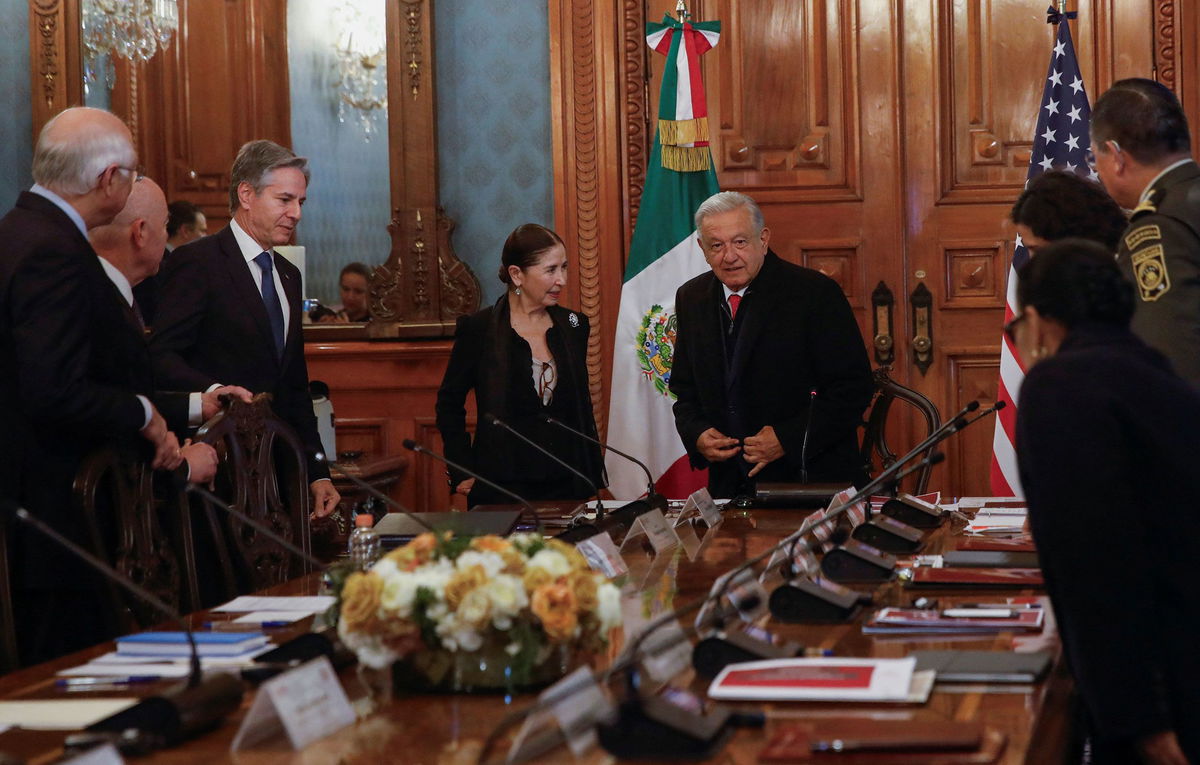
x: 1059, y: 205
x: 1076, y: 281
x: 524, y: 246
x: 355, y: 268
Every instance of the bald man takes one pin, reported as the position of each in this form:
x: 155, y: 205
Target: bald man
x: 63, y: 390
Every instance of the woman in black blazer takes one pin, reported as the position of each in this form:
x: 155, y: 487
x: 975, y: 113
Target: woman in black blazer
x: 526, y: 358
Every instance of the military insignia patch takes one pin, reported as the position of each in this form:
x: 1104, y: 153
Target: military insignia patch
x: 656, y: 347
x: 1147, y: 206
x: 1150, y: 271
x: 1141, y: 235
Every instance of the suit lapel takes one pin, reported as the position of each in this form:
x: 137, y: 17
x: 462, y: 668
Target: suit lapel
x: 291, y: 290
x: 245, y: 290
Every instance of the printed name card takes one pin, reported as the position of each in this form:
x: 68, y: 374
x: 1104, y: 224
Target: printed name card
x: 307, y: 702
x: 654, y: 525
x: 576, y: 703
x: 668, y: 653
x: 602, y: 555
x: 701, y: 503
x: 804, y: 562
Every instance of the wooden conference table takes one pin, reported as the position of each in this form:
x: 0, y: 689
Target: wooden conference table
x: 445, y: 729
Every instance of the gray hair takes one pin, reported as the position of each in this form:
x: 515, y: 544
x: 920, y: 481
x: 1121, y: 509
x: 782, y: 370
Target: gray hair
x: 728, y: 201
x: 73, y: 166
x: 255, y: 161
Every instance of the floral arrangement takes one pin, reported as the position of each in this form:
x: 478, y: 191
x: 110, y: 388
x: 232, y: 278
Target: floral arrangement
x: 441, y: 593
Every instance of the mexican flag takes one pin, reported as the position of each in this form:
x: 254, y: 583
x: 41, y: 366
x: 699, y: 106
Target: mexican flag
x: 663, y: 255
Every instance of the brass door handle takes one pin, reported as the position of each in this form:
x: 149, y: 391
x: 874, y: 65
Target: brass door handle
x: 882, y: 302
x: 922, y: 342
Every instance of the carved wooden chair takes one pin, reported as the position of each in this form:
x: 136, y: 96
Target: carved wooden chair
x: 115, y: 496
x: 8, y: 629
x: 875, y: 441
x: 263, y: 473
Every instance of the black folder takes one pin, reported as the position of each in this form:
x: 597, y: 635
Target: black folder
x: 984, y: 666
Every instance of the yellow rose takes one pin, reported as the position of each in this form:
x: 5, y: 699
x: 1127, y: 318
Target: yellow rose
x: 514, y: 561
x: 360, y: 601
x: 490, y: 543
x: 463, y: 582
x: 583, y: 585
x: 574, y: 557
x: 535, y: 578
x: 416, y: 553
x: 554, y: 605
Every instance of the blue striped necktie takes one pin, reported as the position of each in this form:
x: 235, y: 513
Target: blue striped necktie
x: 271, y: 301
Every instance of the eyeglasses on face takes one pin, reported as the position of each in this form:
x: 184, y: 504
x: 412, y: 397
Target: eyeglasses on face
x: 1010, y: 327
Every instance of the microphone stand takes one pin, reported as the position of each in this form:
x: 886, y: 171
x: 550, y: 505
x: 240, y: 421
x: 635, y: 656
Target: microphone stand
x: 413, y: 446
x: 368, y: 488
x: 652, y: 496
x: 258, y: 526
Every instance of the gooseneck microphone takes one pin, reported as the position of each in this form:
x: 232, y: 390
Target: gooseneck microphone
x: 812, y: 400
x: 492, y: 419
x: 651, y: 494
x: 413, y: 446
x: 168, y: 718
x: 258, y: 526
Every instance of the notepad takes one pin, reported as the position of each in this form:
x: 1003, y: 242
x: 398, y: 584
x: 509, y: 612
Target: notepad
x: 176, y: 643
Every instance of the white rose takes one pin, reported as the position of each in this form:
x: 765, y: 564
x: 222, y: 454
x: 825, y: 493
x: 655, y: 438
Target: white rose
x: 399, y: 594
x: 474, y: 609
x: 385, y: 567
x: 552, y: 562
x: 490, y: 562
x: 608, y: 607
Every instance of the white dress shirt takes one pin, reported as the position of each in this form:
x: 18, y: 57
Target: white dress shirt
x: 251, y: 250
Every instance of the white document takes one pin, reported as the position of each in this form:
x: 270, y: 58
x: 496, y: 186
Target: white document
x: 56, y: 714
x: 269, y: 617
x: 309, y: 604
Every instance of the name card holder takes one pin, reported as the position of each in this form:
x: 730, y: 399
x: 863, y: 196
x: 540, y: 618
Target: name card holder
x: 602, y: 555
x: 656, y: 529
x: 307, y: 703
x: 701, y: 502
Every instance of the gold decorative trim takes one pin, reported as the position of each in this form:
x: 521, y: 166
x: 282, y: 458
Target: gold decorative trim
x: 1165, y: 48
x: 48, y: 54
x: 637, y: 100
x: 413, y: 49
x: 420, y: 270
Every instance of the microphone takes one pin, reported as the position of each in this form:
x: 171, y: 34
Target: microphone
x: 368, y: 488
x: 993, y: 408
x: 492, y: 419
x: 413, y: 446
x: 652, y: 496
x: 171, y: 717
x: 812, y: 398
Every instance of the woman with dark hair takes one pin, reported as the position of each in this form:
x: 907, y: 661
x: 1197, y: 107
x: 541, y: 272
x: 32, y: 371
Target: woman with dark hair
x: 1107, y: 441
x: 1057, y: 205
x: 526, y: 359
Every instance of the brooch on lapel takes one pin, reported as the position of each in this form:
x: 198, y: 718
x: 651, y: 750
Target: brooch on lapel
x: 573, y: 319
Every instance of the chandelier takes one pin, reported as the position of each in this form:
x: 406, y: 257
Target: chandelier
x: 361, y: 62
x: 130, y: 29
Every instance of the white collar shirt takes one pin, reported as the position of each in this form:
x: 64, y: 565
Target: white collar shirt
x: 251, y: 250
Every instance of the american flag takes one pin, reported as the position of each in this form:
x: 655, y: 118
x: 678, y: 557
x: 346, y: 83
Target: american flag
x: 1061, y: 142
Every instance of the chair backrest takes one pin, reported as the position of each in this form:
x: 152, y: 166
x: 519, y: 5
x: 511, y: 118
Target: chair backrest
x: 114, y: 494
x: 264, y: 474
x: 875, y: 442
x: 8, y: 631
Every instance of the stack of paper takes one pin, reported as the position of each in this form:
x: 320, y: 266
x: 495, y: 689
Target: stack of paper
x: 818, y: 680
x: 228, y: 644
x: 997, y: 520
x: 966, y: 621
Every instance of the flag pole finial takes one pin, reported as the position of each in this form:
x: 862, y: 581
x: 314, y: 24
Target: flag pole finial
x: 681, y: 9
x: 1062, y: 6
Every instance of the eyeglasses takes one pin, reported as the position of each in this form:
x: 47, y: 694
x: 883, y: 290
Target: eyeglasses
x: 1010, y: 327
x: 1090, y: 157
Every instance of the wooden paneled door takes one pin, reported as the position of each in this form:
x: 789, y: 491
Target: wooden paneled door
x: 886, y: 142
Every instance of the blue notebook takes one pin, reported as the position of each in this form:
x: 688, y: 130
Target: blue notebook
x: 176, y: 643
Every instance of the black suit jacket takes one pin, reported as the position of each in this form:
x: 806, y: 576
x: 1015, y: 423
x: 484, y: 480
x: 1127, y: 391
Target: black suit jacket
x: 491, y: 359
x: 1107, y: 438
x: 73, y: 359
x: 212, y: 327
x: 795, y: 333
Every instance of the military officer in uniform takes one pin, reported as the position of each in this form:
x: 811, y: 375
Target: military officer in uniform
x: 1142, y: 155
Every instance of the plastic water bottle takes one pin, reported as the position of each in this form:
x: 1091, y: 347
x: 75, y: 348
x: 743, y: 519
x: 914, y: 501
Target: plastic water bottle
x: 363, y: 545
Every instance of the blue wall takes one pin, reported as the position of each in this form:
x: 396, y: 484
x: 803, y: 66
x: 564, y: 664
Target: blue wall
x: 16, y: 139
x: 346, y: 215
x: 496, y: 170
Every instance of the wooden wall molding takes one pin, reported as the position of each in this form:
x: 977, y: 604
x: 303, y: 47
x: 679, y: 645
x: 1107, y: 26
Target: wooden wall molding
x: 55, y: 63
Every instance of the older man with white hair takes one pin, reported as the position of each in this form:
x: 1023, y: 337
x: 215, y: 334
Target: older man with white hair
x: 64, y: 389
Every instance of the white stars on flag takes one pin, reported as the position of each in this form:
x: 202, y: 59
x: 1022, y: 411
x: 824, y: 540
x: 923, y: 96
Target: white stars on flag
x: 1055, y: 78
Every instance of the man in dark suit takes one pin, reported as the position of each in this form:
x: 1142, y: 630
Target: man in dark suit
x: 230, y: 307
x: 770, y: 373
x: 68, y: 384
x: 1143, y: 157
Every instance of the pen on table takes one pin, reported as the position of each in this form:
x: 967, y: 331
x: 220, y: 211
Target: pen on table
x: 243, y: 626
x: 81, y: 682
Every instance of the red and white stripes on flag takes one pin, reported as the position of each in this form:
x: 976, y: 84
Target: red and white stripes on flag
x: 1062, y: 142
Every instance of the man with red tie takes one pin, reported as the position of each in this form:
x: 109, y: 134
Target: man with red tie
x: 770, y: 373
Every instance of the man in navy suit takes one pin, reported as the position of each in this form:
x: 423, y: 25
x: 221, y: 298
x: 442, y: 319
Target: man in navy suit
x: 68, y: 385
x: 230, y: 307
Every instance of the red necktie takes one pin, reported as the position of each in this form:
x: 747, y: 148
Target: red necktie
x: 734, y: 301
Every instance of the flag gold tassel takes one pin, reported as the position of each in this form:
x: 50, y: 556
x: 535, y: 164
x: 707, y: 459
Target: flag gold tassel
x: 679, y: 132
x: 686, y: 159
